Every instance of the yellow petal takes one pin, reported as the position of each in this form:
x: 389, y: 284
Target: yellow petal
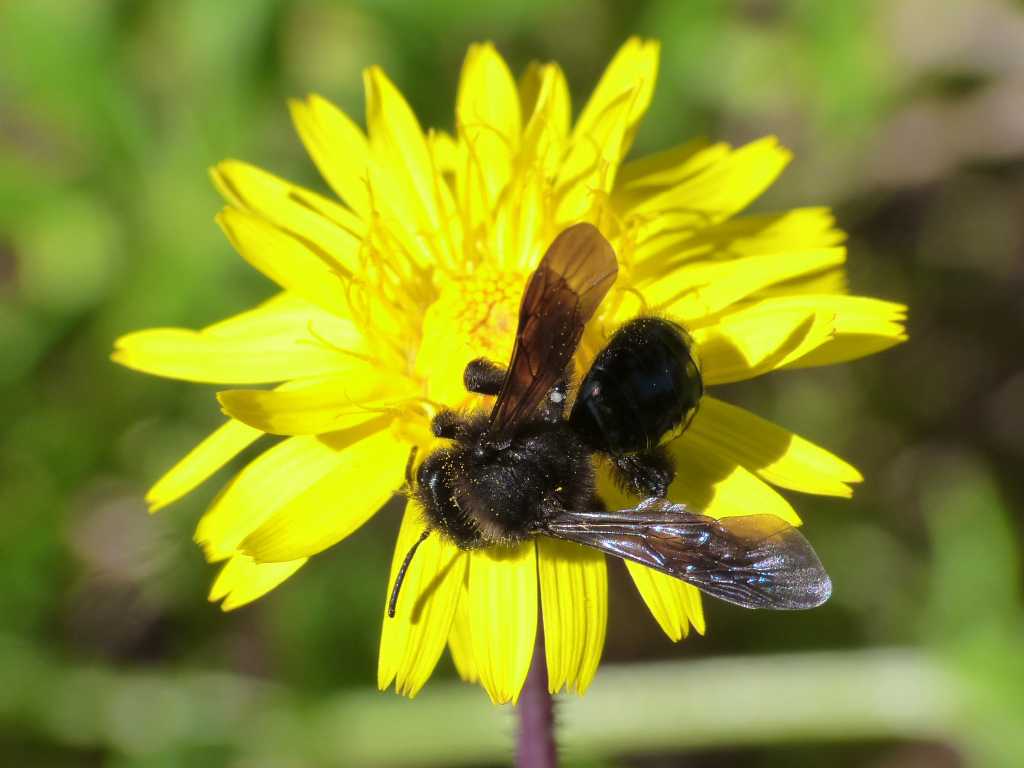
x: 604, y: 132
x: 271, y: 481
x: 216, y: 450
x: 460, y: 641
x: 337, y: 146
x: 831, y: 281
x: 399, y: 148
x: 694, y: 291
x: 758, y: 340
x: 359, y: 392
x: 798, y: 229
x: 773, y: 453
x: 715, y: 485
x: 242, y: 580
x: 311, y: 217
x: 503, y: 616
x: 523, y: 224
x: 588, y: 171
x: 450, y: 339
x: 286, y: 337
x: 634, y: 69
x: 674, y: 604
x: 853, y: 314
x: 547, y: 129
x: 412, y: 641
x: 863, y: 326
x: 574, y: 598
x: 443, y: 150
x: 640, y: 178
x: 846, y: 347
x: 544, y: 94
x: 288, y: 262
x: 714, y: 192
x: 287, y: 313
x: 489, y: 122
x: 370, y: 469
x: 695, y: 608
x: 742, y: 343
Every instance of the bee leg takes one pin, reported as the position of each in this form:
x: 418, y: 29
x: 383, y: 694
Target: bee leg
x: 483, y: 377
x: 447, y: 424
x: 645, y: 474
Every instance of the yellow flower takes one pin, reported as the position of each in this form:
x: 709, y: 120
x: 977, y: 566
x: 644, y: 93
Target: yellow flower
x: 418, y: 266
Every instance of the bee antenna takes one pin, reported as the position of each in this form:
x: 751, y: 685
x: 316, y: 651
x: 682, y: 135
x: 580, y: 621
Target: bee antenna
x: 393, y: 602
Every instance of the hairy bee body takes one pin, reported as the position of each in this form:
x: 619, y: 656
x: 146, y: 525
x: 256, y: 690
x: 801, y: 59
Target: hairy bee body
x: 479, y: 493
x: 525, y: 469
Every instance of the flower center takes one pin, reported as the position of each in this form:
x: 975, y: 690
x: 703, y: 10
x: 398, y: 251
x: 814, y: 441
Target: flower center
x: 473, y: 316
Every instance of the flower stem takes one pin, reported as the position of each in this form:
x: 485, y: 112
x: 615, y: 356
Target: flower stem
x: 536, y: 743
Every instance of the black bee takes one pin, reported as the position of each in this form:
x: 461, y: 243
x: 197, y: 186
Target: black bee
x: 524, y: 469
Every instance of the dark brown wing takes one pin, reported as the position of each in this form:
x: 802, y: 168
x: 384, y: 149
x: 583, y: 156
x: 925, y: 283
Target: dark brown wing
x: 562, y: 295
x: 756, y: 561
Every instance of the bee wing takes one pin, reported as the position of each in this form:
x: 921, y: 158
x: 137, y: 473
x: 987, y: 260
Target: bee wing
x: 562, y: 295
x: 756, y: 561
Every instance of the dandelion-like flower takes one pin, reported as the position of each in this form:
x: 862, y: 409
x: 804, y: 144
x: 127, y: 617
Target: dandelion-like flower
x: 416, y: 268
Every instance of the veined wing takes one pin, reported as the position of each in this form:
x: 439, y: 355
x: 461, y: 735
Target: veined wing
x: 756, y: 561
x: 561, y: 296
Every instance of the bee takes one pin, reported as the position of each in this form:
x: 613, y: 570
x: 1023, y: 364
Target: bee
x: 526, y: 469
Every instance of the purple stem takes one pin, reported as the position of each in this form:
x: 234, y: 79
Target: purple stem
x: 536, y: 744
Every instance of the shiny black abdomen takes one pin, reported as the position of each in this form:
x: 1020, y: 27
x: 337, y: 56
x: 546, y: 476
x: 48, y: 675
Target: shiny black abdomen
x: 642, y: 388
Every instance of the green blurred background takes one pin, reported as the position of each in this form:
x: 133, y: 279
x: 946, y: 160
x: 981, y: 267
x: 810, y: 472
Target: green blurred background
x: 907, y: 116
